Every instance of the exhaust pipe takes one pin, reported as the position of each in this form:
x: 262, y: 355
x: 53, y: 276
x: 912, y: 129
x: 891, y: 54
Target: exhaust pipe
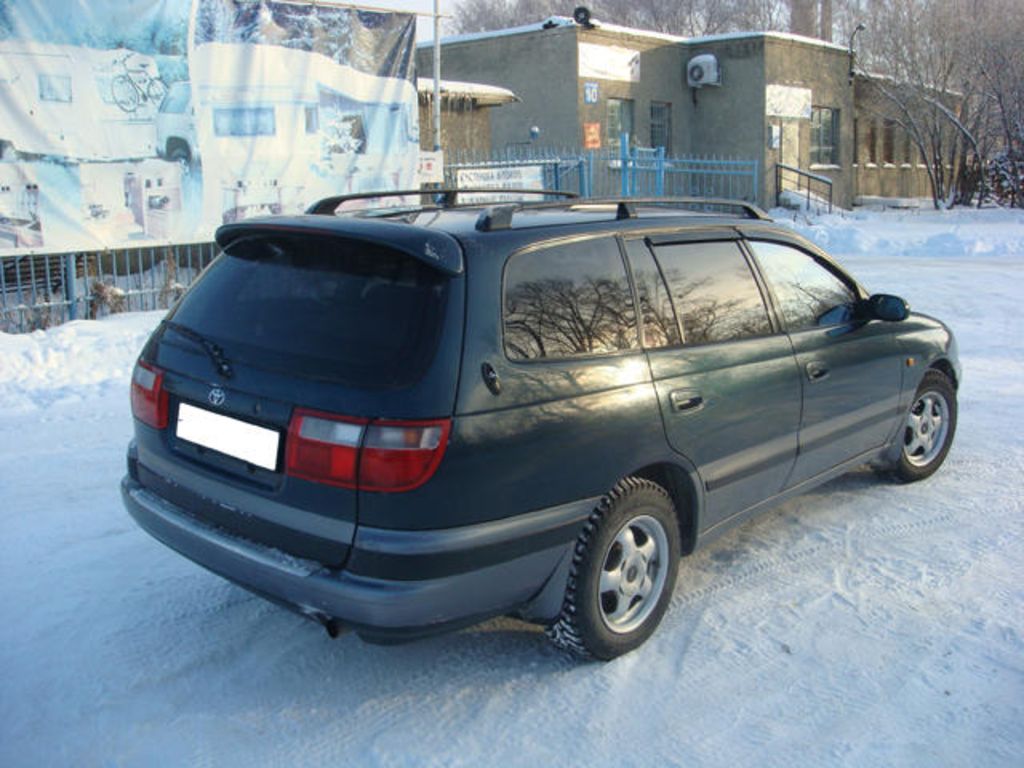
x: 331, y: 625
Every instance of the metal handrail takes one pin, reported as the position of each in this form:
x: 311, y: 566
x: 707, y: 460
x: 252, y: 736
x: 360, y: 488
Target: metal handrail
x: 801, y: 174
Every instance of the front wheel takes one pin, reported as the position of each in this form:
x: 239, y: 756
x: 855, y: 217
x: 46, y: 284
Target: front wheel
x: 155, y: 91
x: 929, y: 428
x: 623, y: 573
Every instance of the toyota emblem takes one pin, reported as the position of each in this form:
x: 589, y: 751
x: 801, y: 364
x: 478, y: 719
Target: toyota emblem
x: 216, y: 396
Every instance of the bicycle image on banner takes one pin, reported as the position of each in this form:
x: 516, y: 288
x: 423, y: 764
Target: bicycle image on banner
x: 158, y: 127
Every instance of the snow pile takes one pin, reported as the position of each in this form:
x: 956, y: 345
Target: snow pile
x: 71, y: 362
x: 863, y: 624
x: 995, y: 233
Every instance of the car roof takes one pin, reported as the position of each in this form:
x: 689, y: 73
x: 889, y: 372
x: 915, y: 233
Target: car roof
x: 432, y: 233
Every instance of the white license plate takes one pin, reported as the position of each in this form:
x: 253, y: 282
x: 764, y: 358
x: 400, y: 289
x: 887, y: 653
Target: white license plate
x: 248, y: 442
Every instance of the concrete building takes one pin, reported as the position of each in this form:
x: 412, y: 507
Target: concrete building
x: 772, y: 97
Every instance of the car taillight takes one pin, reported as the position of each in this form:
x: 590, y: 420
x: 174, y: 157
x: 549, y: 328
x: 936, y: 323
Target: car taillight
x: 149, y: 400
x: 400, y: 456
x: 384, y: 456
x: 324, y: 448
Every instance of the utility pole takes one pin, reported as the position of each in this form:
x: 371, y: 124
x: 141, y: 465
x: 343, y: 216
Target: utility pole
x: 437, y: 75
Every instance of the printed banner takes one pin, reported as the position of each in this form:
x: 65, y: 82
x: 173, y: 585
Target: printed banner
x: 139, y: 122
x: 609, y: 62
x: 787, y: 101
x: 498, y: 178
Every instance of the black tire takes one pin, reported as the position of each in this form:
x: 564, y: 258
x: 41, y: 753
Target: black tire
x: 585, y: 626
x: 179, y: 153
x: 125, y: 94
x: 935, y: 398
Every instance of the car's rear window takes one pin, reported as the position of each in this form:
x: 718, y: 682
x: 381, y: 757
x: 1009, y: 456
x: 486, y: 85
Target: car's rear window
x: 325, y: 308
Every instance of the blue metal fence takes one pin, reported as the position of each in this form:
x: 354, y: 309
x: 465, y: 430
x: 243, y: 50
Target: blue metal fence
x: 38, y: 290
x: 618, y: 171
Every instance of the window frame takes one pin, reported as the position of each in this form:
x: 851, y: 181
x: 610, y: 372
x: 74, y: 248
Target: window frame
x: 818, y: 127
x: 613, y: 140
x: 820, y: 257
x: 51, y: 88
x: 888, y: 142
x: 666, y: 125
x: 616, y: 239
x: 697, y: 237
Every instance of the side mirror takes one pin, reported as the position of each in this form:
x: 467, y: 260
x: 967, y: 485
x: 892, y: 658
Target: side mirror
x: 883, y: 306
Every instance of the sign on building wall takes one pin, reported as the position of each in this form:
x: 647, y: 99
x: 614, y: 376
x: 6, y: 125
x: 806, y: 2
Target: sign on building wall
x: 591, y: 135
x: 431, y: 167
x: 158, y: 125
x: 609, y: 62
x: 591, y: 93
x: 504, y: 177
x: 787, y: 101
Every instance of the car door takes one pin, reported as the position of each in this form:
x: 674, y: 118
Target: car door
x: 725, y: 377
x: 850, y: 369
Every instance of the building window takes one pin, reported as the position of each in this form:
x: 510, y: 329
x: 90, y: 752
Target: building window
x: 908, y: 148
x: 856, y: 141
x: 312, y: 119
x: 55, y: 88
x: 244, y: 121
x: 824, y: 136
x: 889, y: 142
x: 620, y: 120
x: 873, y: 142
x: 661, y: 125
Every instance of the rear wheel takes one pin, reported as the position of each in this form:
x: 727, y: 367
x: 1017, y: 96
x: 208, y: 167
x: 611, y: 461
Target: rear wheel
x: 929, y: 428
x: 623, y: 573
x: 125, y: 94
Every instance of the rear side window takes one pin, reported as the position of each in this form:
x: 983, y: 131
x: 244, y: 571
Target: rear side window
x: 808, y: 293
x: 320, y: 308
x: 568, y: 301
x: 714, y: 292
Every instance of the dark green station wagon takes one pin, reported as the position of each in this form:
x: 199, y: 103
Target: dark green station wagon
x: 409, y: 420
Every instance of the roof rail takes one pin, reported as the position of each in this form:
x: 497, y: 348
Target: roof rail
x: 444, y: 197
x: 500, y: 216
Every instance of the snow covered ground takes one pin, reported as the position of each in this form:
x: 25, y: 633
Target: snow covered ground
x: 865, y: 624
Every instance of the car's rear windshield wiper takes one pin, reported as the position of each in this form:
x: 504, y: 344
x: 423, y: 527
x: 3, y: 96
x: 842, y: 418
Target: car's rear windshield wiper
x: 216, y: 354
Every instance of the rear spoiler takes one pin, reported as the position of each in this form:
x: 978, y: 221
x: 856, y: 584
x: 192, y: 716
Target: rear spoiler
x: 435, y: 249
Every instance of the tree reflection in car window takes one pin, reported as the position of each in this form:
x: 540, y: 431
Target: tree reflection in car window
x: 809, y: 295
x: 568, y: 301
x: 714, y: 291
x: 657, y: 316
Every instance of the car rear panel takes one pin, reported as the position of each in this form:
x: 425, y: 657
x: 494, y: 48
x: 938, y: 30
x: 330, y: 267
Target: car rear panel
x: 306, y: 519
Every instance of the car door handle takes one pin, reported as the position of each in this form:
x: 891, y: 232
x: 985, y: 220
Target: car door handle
x: 816, y: 372
x: 685, y: 400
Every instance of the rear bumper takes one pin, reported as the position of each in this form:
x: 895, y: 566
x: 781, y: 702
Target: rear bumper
x: 501, y: 577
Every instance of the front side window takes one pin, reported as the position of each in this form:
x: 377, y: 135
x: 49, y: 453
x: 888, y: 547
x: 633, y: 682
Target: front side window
x: 824, y: 136
x: 620, y: 120
x: 55, y: 88
x: 808, y: 293
x: 568, y: 301
x: 244, y: 121
x: 714, y: 292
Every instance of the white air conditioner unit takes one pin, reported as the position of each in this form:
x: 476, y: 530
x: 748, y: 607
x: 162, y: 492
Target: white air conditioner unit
x: 703, y: 70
